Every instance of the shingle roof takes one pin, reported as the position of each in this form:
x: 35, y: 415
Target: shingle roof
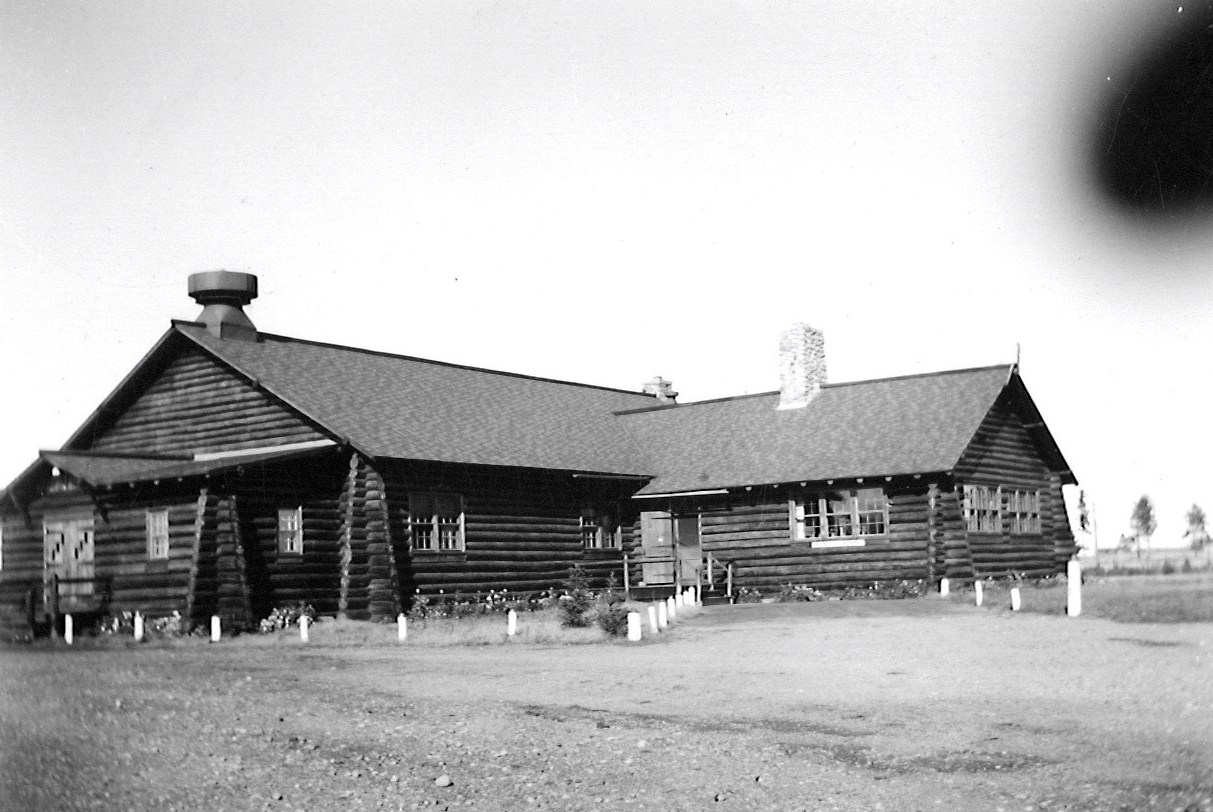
x: 884, y: 427
x: 409, y: 408
x: 113, y: 469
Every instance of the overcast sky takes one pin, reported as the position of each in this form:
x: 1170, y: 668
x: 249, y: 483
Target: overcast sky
x: 602, y: 192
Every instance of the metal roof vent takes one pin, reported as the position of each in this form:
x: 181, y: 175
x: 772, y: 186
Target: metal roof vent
x: 223, y: 295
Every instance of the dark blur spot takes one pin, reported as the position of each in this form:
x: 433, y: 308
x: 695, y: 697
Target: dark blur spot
x: 1153, y: 148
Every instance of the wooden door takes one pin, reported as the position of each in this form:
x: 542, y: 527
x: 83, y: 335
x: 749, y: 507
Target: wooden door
x: 690, y: 556
x: 657, y: 545
x: 68, y: 553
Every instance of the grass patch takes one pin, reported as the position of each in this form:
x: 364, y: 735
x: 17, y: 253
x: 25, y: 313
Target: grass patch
x: 1144, y: 599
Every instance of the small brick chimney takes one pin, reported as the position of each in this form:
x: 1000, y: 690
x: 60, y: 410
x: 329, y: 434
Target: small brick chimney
x: 663, y: 389
x: 802, y: 365
x: 223, y: 295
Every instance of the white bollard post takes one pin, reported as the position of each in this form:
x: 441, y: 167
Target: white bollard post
x: 303, y: 628
x: 671, y: 609
x: 944, y: 587
x: 663, y: 614
x: 402, y: 627
x: 653, y: 619
x: 1015, y: 599
x: 138, y: 627
x: 511, y: 623
x: 678, y: 600
x: 216, y: 629
x: 1073, y: 589
x: 978, y: 593
x: 633, y: 626
x: 67, y: 629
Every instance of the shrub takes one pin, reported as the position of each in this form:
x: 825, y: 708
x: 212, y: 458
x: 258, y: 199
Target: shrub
x: 748, y: 595
x: 575, y: 603
x: 1168, y: 568
x: 286, y: 616
x: 798, y: 592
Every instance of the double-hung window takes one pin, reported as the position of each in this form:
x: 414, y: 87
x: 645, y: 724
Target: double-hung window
x: 597, y: 531
x: 831, y: 518
x: 436, y: 521
x: 157, y: 535
x: 983, y: 509
x: 290, y: 531
x: 1024, y: 509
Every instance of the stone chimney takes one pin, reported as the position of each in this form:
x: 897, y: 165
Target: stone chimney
x: 663, y: 389
x: 802, y: 365
x: 223, y: 295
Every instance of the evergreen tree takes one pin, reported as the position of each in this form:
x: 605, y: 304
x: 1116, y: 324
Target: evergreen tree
x: 1196, y: 534
x: 1143, y: 521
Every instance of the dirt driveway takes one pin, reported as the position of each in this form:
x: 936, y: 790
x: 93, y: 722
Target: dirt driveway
x: 895, y: 705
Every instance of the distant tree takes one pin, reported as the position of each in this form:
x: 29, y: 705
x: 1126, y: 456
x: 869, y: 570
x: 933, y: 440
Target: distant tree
x: 1143, y: 521
x: 1196, y: 534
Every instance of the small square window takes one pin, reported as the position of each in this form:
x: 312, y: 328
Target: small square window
x: 436, y: 521
x: 157, y: 535
x: 983, y: 509
x: 597, y: 531
x: 290, y: 531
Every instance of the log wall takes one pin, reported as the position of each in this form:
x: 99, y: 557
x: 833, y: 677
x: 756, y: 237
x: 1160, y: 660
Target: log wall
x: 1002, y: 453
x: 198, y: 405
x: 522, y: 528
x: 754, y: 532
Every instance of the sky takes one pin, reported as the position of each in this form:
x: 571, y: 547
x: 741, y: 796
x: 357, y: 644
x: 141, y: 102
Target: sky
x: 604, y: 192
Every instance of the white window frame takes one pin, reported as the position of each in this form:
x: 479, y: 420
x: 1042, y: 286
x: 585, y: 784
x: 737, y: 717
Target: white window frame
x: 432, y: 529
x: 833, y: 518
x: 597, y: 531
x: 290, y: 531
x: 1023, y: 506
x: 156, y: 523
x: 983, y: 508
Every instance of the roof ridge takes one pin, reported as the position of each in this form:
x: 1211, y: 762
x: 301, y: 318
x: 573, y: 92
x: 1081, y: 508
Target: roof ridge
x: 838, y: 385
x: 399, y: 356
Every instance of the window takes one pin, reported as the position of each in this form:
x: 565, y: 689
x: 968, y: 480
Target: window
x: 844, y: 514
x: 436, y: 521
x: 597, y: 531
x: 983, y: 509
x: 157, y: 534
x: 290, y: 530
x: 1024, y: 508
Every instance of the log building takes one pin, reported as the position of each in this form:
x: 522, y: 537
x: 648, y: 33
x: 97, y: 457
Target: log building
x: 233, y: 471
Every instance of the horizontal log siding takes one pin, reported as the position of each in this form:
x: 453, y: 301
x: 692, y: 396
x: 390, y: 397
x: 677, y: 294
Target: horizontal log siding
x: 522, y: 529
x: 279, y: 579
x: 154, y: 588
x: 1002, y: 453
x: 197, y: 405
x: 22, y: 563
x: 756, y: 536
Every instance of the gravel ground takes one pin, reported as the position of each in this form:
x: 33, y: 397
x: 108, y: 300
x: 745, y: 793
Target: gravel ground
x: 895, y: 705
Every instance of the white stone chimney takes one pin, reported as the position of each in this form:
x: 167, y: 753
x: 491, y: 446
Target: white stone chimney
x: 802, y: 365
x: 661, y: 388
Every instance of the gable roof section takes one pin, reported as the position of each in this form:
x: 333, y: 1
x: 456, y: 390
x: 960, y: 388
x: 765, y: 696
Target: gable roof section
x: 409, y: 408
x: 908, y: 425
